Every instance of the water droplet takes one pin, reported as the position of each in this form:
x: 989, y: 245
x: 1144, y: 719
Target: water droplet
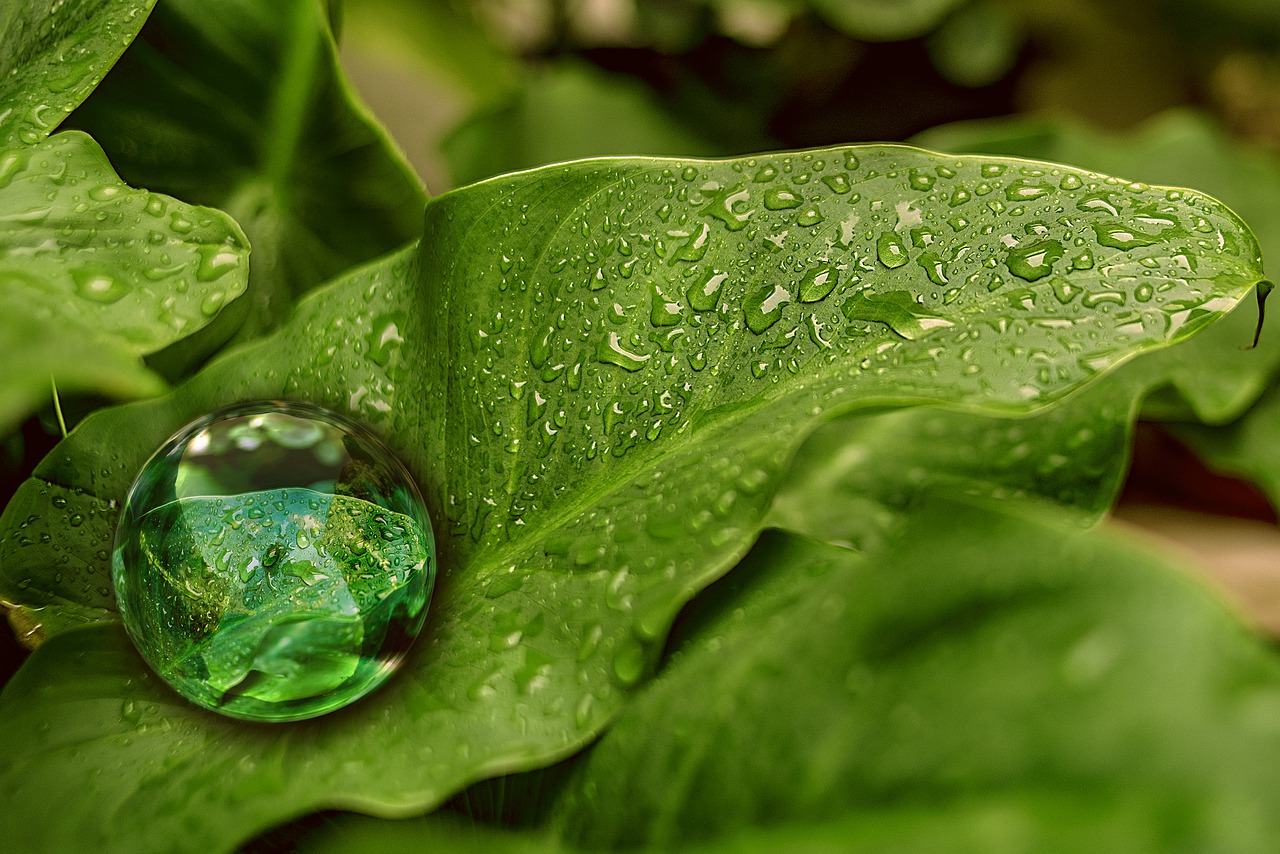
x: 896, y: 309
x: 1034, y: 261
x: 921, y: 180
x: 273, y: 561
x: 1064, y: 289
x: 611, y: 352
x: 781, y: 199
x: 662, y: 311
x: 837, y: 183
x: 1026, y: 190
x: 811, y: 216
x: 1119, y: 236
x: 764, y: 306
x: 628, y: 662
x: 98, y: 285
x: 705, y: 295
x: 890, y: 251
x: 818, y: 283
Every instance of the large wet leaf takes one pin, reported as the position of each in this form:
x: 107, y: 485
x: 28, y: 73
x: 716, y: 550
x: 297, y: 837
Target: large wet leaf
x: 52, y: 55
x: 598, y: 373
x: 241, y: 105
x: 985, y: 663
x: 95, y: 274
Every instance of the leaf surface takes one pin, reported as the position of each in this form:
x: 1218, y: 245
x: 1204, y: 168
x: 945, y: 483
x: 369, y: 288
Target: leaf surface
x: 52, y: 55
x: 598, y: 373
x: 1212, y: 378
x: 241, y: 105
x: 1075, y: 453
x: 95, y: 274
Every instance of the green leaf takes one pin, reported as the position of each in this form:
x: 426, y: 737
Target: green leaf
x: 598, y: 373
x: 241, y: 105
x: 52, y: 55
x: 566, y: 111
x: 1075, y: 453
x: 442, y: 832
x: 977, y: 45
x: 856, y: 478
x: 1247, y: 448
x: 445, y: 39
x: 95, y: 274
x: 884, y: 20
x: 999, y: 823
x: 1213, y: 379
x: 986, y: 665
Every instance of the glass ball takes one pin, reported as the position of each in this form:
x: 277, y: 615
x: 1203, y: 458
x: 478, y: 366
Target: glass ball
x: 273, y: 561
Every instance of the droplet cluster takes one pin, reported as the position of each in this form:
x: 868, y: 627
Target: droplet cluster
x: 673, y: 294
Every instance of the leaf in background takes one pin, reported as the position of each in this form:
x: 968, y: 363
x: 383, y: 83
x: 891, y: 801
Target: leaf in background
x: 598, y: 373
x: 241, y: 105
x: 52, y: 55
x: 1247, y: 448
x: 95, y: 274
x: 977, y: 45
x: 566, y: 111
x: 884, y: 20
x: 984, y: 664
x: 1046, y: 822
x: 443, y: 38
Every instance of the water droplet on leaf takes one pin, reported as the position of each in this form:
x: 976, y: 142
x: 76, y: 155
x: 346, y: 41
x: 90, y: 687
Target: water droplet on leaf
x: 273, y: 561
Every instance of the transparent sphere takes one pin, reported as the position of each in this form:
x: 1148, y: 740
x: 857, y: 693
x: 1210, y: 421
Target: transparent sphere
x: 273, y: 561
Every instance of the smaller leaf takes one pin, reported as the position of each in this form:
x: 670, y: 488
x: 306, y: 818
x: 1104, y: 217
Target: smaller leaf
x: 1246, y: 448
x: 242, y: 105
x: 52, y: 55
x: 95, y: 274
x: 857, y: 477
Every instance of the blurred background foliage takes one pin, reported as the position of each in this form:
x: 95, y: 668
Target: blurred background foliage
x: 477, y: 88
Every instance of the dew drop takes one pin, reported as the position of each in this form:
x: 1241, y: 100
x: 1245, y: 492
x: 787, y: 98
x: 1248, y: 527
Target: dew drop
x: 780, y: 199
x: 1034, y: 261
x: 763, y: 307
x: 818, y: 283
x: 704, y: 295
x: 273, y: 561
x: 890, y: 251
x: 98, y: 285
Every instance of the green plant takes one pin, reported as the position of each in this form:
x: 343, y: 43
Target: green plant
x: 770, y: 475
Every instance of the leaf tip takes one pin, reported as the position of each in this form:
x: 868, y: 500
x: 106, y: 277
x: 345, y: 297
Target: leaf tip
x: 1264, y: 289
